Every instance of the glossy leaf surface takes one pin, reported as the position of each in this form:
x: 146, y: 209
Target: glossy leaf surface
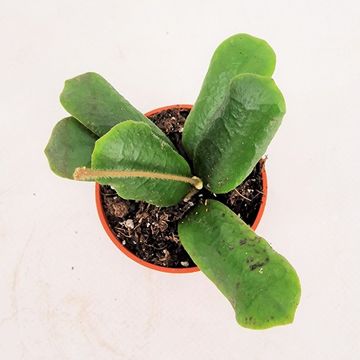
x: 236, y: 55
x: 133, y: 145
x: 240, y: 132
x: 98, y: 106
x: 70, y: 146
x: 261, y: 285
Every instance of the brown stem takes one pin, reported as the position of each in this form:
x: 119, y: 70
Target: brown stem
x: 190, y: 194
x: 84, y: 173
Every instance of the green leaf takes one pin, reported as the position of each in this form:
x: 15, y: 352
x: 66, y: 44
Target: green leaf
x: 238, y: 54
x: 261, y: 285
x: 70, y: 146
x: 98, y: 106
x: 239, y: 133
x: 133, y: 145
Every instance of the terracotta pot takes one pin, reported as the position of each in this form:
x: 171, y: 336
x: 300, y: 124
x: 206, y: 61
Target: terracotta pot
x: 118, y: 243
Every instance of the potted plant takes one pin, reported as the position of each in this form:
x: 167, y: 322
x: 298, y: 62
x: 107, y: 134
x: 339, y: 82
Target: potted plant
x: 136, y: 232
x: 190, y: 175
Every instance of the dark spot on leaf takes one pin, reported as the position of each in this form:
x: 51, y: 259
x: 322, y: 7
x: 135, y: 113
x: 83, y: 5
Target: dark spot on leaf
x: 256, y: 265
x: 256, y: 262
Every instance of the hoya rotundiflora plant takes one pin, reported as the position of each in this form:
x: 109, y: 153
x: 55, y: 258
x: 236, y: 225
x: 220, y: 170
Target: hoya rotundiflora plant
x: 228, y: 130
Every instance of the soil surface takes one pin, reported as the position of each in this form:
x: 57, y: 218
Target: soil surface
x: 150, y: 232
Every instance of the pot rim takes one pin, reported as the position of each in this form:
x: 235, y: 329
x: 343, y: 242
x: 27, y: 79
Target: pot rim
x: 128, y: 253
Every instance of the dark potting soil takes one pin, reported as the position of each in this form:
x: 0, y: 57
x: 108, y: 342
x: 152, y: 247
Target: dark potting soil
x: 150, y: 232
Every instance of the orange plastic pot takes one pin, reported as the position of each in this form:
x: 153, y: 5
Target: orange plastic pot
x: 118, y: 243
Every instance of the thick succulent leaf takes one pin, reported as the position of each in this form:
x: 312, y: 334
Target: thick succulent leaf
x: 70, y: 146
x: 261, y: 285
x: 134, y: 146
x: 98, y: 106
x: 239, y: 133
x: 238, y: 54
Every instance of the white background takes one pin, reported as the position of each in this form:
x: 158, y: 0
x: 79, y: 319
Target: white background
x: 66, y: 292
